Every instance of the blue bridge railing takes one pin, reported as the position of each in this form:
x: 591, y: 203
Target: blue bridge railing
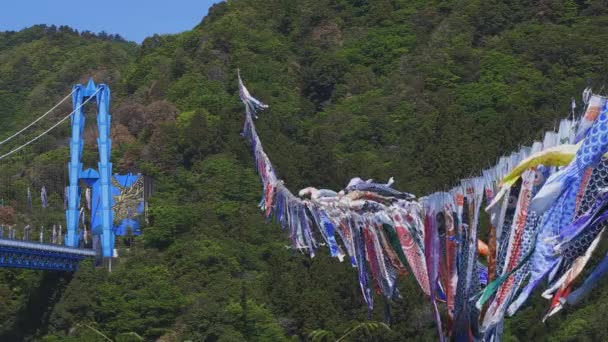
x: 40, y: 256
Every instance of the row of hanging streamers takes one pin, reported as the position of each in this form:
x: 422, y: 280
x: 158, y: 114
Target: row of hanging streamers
x: 374, y: 237
x: 509, y: 210
x: 263, y: 165
x: 290, y: 211
x: 531, y: 247
x: 43, y: 198
x: 547, y: 205
x: 87, y: 197
x: 587, y: 220
x: 521, y: 242
x: 561, y: 211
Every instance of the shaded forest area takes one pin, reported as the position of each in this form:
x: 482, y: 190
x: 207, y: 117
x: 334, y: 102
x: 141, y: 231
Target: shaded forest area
x: 425, y: 91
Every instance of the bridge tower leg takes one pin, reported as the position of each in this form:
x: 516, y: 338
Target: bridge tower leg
x: 75, y: 167
x: 104, y: 144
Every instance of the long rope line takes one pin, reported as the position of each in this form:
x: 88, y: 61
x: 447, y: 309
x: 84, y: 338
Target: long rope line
x: 50, y: 129
x: 40, y: 118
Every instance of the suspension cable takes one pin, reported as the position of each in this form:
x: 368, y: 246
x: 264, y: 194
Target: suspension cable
x: 40, y: 118
x: 50, y: 129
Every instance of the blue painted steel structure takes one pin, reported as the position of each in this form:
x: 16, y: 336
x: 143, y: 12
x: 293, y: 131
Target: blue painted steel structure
x: 128, y: 185
x: 38, y: 256
x: 102, y: 97
x: 133, y: 185
x: 33, y: 255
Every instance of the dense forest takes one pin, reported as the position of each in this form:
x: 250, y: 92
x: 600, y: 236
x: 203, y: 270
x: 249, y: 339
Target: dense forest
x: 425, y: 91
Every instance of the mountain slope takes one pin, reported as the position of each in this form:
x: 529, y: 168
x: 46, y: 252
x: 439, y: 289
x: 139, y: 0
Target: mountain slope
x: 428, y: 92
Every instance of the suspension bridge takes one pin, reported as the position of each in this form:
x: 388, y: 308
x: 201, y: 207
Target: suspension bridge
x: 98, y: 204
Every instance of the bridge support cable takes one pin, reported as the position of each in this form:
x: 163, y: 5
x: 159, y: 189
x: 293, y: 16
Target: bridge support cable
x: 45, y: 132
x: 38, y: 119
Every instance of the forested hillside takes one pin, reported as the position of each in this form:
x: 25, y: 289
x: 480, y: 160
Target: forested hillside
x: 425, y: 91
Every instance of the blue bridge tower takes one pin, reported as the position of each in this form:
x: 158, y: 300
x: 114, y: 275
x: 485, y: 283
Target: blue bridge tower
x: 101, y: 94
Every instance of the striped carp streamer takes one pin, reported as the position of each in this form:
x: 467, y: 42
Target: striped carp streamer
x: 548, y: 209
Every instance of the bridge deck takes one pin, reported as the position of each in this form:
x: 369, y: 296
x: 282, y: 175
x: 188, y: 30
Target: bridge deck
x: 33, y: 255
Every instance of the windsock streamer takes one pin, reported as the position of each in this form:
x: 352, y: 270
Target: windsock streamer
x: 29, y: 199
x: 87, y: 196
x: 43, y: 197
